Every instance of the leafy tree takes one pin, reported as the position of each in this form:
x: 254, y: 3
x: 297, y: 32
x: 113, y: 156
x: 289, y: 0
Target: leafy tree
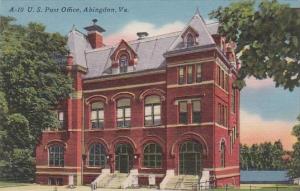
x: 267, y: 38
x: 294, y: 168
x: 32, y: 83
x: 264, y: 156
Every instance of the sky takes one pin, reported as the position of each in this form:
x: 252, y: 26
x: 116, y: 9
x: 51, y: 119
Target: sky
x: 267, y: 113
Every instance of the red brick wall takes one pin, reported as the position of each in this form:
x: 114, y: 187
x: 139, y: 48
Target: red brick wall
x: 170, y: 138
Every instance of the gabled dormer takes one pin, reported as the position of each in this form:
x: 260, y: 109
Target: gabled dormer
x: 190, y: 37
x: 195, y: 35
x: 123, y: 59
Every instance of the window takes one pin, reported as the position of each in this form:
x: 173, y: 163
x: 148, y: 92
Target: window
x: 190, y: 76
x: 61, y: 119
x: 56, y: 155
x: 152, y: 156
x: 152, y: 111
x: 123, y: 62
x: 231, y: 142
x: 97, y: 155
x: 222, y: 115
x: 218, y: 75
x: 190, y: 41
x: 222, y: 78
x: 181, y: 77
x: 198, y: 73
x: 183, y: 114
x: 123, y: 113
x: 196, y: 111
x: 226, y: 82
x: 233, y: 100
x: 223, y: 154
x: 97, y: 115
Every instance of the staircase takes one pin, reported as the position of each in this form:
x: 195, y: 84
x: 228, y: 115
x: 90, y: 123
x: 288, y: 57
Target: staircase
x: 182, y: 182
x: 189, y: 182
x: 113, y: 181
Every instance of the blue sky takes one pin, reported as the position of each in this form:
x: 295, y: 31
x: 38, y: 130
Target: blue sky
x: 259, y: 101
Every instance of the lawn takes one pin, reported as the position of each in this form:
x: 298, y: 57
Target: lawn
x: 263, y: 187
x: 5, y: 184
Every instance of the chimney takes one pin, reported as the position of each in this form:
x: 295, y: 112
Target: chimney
x: 141, y: 35
x: 94, y: 35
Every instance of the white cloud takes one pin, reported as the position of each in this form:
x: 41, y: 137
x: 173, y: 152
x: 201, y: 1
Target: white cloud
x: 254, y: 129
x: 259, y: 84
x: 128, y: 32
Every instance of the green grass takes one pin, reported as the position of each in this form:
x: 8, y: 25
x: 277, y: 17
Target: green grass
x: 4, y: 184
x: 263, y: 187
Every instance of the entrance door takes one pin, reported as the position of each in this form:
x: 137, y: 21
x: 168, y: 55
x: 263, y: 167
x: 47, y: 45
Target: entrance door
x: 124, y: 158
x: 190, y: 158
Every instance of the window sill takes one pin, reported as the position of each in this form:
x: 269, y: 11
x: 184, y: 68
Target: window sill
x: 56, y: 166
x: 145, y: 168
x: 124, y: 128
x: 153, y: 126
x: 94, y: 167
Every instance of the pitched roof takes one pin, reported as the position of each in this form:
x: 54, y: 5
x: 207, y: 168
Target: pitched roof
x: 150, y: 50
x: 198, y: 24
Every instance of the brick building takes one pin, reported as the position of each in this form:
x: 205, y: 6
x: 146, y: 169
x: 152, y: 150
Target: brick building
x: 157, y: 110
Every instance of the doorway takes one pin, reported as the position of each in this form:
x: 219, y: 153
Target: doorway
x: 190, y: 158
x: 124, y: 158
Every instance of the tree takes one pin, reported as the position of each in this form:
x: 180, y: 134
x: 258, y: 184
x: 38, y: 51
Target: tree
x: 267, y: 38
x: 294, y: 167
x: 263, y: 156
x: 32, y: 83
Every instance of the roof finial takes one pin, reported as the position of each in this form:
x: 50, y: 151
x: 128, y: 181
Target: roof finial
x: 197, y: 12
x: 73, y: 28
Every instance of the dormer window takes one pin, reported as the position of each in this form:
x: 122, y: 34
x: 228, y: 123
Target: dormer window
x: 190, y: 40
x: 123, y: 63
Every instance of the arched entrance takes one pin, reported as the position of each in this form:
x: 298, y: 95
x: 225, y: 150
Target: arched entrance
x: 124, y: 158
x: 190, y: 153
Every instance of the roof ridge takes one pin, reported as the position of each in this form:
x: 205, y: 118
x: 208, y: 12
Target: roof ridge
x: 155, y: 37
x: 147, y: 39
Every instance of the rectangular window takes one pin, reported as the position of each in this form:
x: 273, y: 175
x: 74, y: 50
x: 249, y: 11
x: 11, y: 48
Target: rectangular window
x: 181, y: 77
x: 97, y: 118
x: 198, y: 73
x: 123, y: 117
x: 226, y: 82
x: 61, y: 119
x: 190, y: 78
x: 222, y: 79
x: 196, y: 111
x: 97, y: 115
x: 152, y: 114
x: 183, y: 114
x: 219, y: 110
x: 225, y: 116
x: 219, y: 76
x: 233, y: 100
x: 123, y: 113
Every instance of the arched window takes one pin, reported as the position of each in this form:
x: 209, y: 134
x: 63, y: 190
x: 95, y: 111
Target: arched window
x: 190, y: 41
x: 152, y: 156
x: 152, y: 111
x: 97, y: 115
x: 123, y: 63
x: 56, y: 155
x: 223, y: 154
x: 97, y: 155
x: 123, y: 113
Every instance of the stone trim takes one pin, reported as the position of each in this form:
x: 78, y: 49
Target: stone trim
x: 125, y: 87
